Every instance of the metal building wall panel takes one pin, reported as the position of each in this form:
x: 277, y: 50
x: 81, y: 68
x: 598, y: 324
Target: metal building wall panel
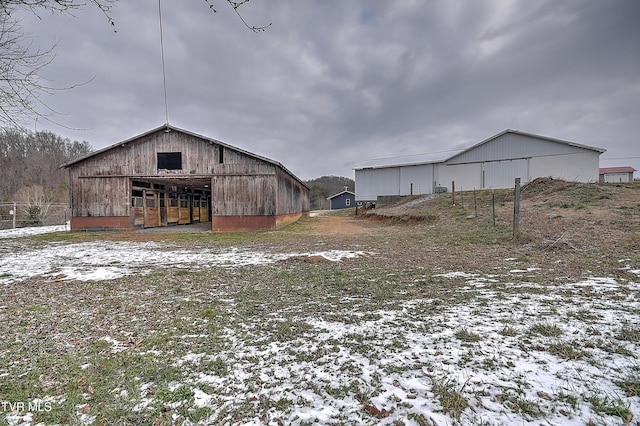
x: 577, y: 167
x: 416, y: 180
x: 617, y: 177
x: 370, y: 183
x: 502, y: 174
x: 513, y: 146
x: 465, y: 176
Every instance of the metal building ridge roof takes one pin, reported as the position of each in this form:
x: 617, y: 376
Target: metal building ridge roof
x: 408, y: 160
x: 442, y: 156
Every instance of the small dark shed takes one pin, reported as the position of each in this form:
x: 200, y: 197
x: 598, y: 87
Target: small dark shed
x: 169, y: 176
x: 342, y: 200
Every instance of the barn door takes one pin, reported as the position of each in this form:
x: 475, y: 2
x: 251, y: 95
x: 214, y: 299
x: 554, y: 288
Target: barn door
x: 195, y: 212
x: 163, y: 209
x: 184, y: 214
x: 151, y: 209
x: 137, y: 207
x: 204, y: 209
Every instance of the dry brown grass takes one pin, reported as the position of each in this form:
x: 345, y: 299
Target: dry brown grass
x: 137, y: 348
x: 564, y: 226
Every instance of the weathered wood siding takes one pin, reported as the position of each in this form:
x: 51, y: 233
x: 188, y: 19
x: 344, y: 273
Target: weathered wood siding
x: 293, y: 196
x: 103, y: 196
x: 139, y: 157
x: 244, y: 190
x: 234, y: 157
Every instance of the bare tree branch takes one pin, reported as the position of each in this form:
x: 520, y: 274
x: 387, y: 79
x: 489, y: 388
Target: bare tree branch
x: 235, y: 5
x: 22, y: 88
x: 7, y: 7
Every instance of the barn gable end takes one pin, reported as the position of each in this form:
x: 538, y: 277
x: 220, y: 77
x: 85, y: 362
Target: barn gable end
x: 169, y: 176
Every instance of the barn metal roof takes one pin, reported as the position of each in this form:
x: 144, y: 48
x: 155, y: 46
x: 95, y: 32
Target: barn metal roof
x: 169, y: 128
x: 624, y: 169
x: 442, y: 156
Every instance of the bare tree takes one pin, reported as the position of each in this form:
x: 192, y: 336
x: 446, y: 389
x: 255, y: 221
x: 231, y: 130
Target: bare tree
x: 35, y: 203
x: 21, y: 86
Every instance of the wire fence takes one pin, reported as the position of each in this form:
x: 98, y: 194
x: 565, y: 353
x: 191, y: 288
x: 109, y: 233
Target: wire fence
x: 21, y: 215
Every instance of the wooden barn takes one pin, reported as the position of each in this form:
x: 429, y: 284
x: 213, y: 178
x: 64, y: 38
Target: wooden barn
x: 169, y: 176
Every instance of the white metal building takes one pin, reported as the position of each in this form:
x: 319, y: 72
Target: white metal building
x: 616, y: 174
x: 493, y: 163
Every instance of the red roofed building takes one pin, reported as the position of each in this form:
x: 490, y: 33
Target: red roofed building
x: 616, y: 174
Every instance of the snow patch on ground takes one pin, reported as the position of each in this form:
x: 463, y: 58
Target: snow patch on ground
x: 396, y: 360
x: 33, y: 230
x: 105, y: 260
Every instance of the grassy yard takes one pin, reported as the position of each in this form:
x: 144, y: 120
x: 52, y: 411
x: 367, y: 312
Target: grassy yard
x: 426, y: 324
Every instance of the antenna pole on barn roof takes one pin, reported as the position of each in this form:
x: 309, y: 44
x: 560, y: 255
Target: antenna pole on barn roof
x: 164, y: 73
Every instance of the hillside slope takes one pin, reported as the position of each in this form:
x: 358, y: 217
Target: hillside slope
x: 588, y: 220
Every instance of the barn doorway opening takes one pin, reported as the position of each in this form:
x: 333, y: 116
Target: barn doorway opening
x: 170, y: 202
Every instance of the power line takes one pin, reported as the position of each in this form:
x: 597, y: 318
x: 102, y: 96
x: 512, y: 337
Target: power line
x: 164, y: 73
x: 619, y: 158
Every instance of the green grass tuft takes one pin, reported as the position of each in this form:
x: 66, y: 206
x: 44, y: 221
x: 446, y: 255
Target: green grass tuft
x: 546, y: 330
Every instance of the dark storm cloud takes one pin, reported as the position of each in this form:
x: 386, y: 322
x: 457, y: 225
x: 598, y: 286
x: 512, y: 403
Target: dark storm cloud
x: 331, y: 83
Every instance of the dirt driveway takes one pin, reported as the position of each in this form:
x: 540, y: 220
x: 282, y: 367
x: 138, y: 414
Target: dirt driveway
x: 327, y: 224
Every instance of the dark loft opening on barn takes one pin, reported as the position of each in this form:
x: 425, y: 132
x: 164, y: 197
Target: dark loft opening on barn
x: 169, y: 161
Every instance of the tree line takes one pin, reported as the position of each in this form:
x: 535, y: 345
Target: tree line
x: 30, y: 168
x: 30, y: 164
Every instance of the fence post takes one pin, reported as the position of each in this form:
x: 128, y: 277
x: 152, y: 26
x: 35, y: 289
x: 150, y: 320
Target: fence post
x: 453, y: 192
x: 15, y: 213
x: 516, y: 209
x: 475, y: 202
x: 493, y: 207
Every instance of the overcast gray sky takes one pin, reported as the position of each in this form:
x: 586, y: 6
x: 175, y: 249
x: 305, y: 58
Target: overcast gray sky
x: 333, y: 82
